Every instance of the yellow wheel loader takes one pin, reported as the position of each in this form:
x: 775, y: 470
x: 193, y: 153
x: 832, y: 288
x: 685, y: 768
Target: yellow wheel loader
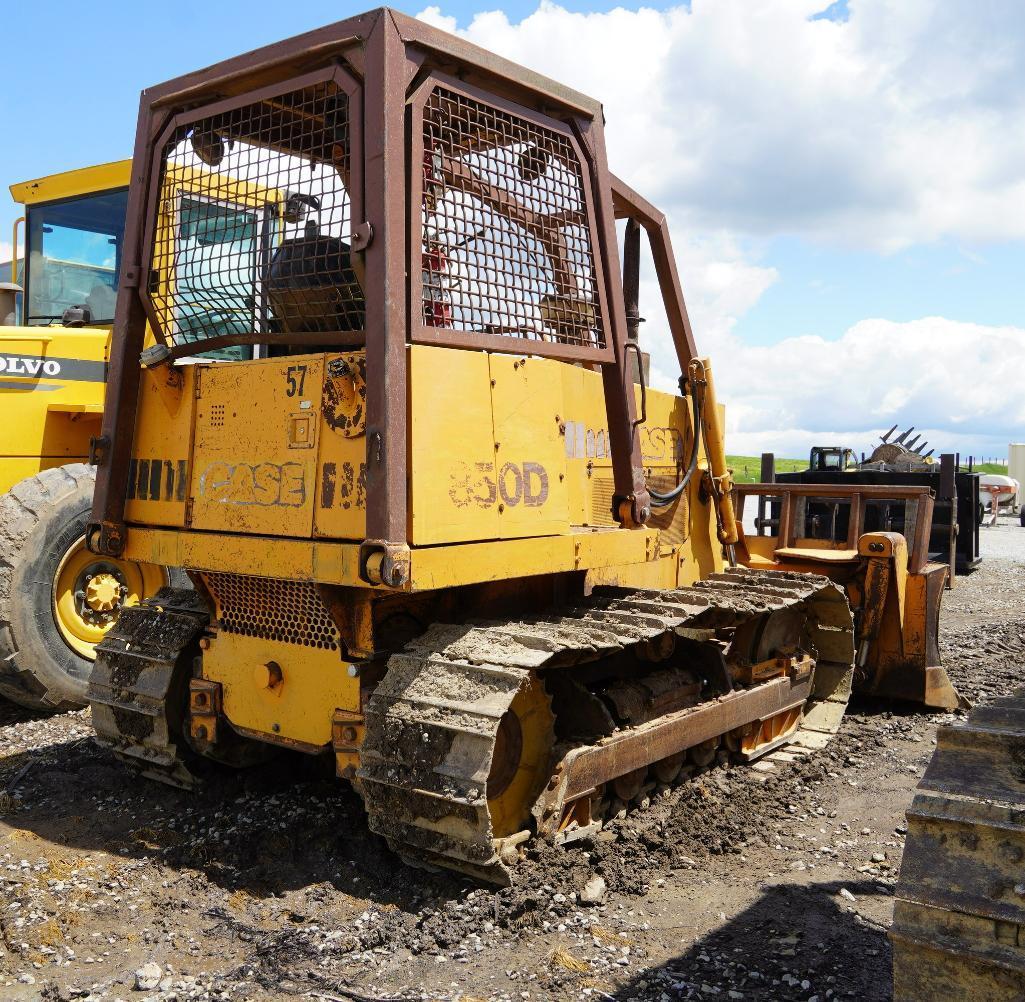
x: 57, y: 599
x: 437, y: 525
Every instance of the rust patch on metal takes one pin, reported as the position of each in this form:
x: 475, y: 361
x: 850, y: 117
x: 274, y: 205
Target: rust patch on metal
x: 345, y: 395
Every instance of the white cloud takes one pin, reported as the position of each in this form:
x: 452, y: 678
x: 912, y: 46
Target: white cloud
x: 720, y: 285
x: 744, y: 119
x: 900, y: 125
x: 960, y: 382
x: 5, y: 250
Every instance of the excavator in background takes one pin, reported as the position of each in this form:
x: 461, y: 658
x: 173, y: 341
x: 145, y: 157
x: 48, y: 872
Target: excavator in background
x: 438, y: 528
x: 56, y: 598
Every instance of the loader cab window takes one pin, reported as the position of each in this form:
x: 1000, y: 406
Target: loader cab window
x: 217, y: 250
x: 74, y: 256
x: 824, y: 460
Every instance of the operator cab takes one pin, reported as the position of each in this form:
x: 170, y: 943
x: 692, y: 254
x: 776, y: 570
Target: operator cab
x: 73, y: 256
x: 74, y: 234
x: 831, y: 458
x: 74, y: 226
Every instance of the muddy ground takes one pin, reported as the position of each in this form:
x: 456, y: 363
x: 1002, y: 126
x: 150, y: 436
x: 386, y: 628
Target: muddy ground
x: 267, y: 885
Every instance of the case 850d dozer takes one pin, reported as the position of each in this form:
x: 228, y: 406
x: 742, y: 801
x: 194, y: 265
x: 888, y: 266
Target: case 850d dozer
x: 434, y: 526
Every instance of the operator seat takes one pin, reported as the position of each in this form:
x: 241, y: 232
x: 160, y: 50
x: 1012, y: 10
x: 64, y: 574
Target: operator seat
x: 102, y: 300
x: 311, y: 287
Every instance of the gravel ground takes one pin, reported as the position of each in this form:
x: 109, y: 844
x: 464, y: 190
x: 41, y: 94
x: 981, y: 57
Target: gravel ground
x: 743, y: 884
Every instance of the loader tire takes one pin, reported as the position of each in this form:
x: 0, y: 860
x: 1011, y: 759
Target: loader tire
x: 47, y: 636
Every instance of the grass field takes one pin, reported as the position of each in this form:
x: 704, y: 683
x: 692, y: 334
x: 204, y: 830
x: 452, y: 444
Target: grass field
x: 747, y: 469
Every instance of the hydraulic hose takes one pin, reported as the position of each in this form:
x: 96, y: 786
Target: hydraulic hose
x: 660, y: 499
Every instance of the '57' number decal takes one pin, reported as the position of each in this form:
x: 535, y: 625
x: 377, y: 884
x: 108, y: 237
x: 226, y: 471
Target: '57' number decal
x: 295, y: 380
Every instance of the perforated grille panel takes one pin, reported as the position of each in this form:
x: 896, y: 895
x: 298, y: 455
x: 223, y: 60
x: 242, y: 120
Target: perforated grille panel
x: 674, y: 521
x: 255, y: 222
x: 288, y: 611
x: 602, y: 490
x: 507, y: 247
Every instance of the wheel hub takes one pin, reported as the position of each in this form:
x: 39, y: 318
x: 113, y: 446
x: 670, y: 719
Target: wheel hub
x: 89, y: 594
x: 99, y: 593
x: 103, y: 592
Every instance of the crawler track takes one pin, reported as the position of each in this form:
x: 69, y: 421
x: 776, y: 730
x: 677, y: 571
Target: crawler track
x: 433, y: 722
x: 138, y: 685
x: 959, y: 918
x: 429, y: 761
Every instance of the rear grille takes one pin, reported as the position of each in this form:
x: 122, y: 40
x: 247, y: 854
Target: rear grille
x: 291, y: 612
x: 602, y: 489
x: 674, y: 521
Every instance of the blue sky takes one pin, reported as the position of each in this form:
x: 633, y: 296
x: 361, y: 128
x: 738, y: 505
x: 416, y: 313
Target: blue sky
x: 74, y: 72
x: 840, y: 178
x: 824, y: 290
x: 72, y: 76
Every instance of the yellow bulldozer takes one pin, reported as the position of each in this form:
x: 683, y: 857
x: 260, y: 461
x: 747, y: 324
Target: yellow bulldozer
x: 437, y: 525
x: 56, y: 598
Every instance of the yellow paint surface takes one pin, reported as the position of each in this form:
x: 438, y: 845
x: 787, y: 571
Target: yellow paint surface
x: 290, y: 559
x: 249, y: 473
x: 453, y: 494
x: 314, y: 683
x: 341, y: 492
x: 530, y: 458
x: 51, y: 397
x: 510, y: 475
x: 163, y: 432
x: 68, y: 184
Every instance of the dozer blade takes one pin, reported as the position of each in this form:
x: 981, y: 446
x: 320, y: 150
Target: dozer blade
x: 908, y: 669
x: 930, y: 687
x: 959, y: 917
x: 940, y: 692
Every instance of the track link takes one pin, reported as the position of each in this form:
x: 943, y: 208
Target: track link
x: 432, y: 722
x: 959, y: 916
x: 137, y: 688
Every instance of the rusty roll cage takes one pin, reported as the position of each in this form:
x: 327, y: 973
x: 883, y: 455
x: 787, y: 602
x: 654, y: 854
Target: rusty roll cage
x: 385, y: 58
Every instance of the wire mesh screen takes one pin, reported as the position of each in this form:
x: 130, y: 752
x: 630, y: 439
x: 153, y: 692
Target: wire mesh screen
x: 255, y: 218
x: 506, y: 241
